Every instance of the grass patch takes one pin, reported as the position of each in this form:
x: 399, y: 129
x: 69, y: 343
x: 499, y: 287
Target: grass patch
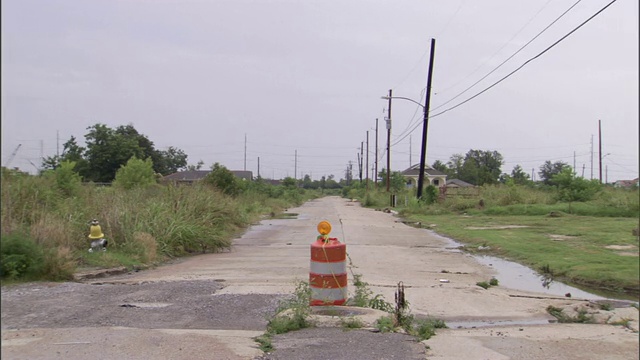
x: 351, y: 322
x: 579, y: 255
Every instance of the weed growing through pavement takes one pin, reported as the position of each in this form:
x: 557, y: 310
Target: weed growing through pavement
x: 351, y: 323
x: 292, y: 314
x: 487, y: 284
x: 582, y: 317
x: 362, y: 297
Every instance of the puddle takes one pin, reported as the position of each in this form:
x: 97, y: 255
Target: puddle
x: 515, y: 276
x: 519, y: 277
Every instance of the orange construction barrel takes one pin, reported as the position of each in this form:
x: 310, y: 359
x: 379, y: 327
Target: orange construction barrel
x: 328, y: 273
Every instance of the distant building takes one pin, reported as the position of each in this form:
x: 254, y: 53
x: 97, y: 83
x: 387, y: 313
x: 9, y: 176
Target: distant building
x: 431, y: 176
x: 627, y: 183
x: 191, y: 176
x: 457, y: 183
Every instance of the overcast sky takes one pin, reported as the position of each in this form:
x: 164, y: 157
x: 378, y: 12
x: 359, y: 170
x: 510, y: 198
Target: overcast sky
x: 307, y: 76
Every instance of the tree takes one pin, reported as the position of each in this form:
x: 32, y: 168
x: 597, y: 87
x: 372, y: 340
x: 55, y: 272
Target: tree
x: 548, y: 170
x: 572, y: 188
x: 173, y: 159
x: 454, y: 166
x: 198, y: 166
x: 107, y: 151
x: 397, y: 182
x: 440, y: 166
x: 481, y: 167
x: 71, y: 151
x: 224, y: 180
x: 136, y: 173
x: 519, y: 176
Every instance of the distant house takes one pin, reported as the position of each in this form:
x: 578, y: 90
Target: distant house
x: 627, y: 183
x: 457, y: 183
x: 191, y: 176
x: 431, y: 176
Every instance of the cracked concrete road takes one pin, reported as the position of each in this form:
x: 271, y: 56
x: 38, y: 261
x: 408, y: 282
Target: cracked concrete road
x: 211, y: 306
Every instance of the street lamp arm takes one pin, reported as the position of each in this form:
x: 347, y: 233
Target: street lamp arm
x: 403, y: 98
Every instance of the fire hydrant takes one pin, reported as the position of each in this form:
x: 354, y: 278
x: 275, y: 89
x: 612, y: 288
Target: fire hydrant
x: 98, y: 242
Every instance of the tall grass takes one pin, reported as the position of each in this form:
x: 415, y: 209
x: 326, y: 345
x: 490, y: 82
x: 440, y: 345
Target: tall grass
x: 142, y: 225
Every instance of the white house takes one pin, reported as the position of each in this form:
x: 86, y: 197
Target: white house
x: 431, y: 176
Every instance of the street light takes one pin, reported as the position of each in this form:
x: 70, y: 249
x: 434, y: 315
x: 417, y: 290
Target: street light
x: 425, y: 126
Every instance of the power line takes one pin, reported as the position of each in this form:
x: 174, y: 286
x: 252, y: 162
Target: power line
x: 526, y: 62
x: 503, y: 46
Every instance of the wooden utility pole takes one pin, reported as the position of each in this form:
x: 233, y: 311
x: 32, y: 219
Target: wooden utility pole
x: 295, y: 167
x: 389, y: 142
x: 367, y: 164
x: 375, y: 175
x: 258, y: 166
x: 600, y: 150
x: 425, y: 126
x: 245, y: 152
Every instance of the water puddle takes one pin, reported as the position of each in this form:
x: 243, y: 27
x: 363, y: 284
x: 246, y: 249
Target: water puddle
x: 519, y: 277
x: 515, y: 276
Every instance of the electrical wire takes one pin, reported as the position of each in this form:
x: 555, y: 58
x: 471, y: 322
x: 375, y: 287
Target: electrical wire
x: 514, y: 71
x: 526, y: 62
x: 498, y: 51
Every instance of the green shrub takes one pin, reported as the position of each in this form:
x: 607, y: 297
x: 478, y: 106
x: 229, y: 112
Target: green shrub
x: 67, y: 180
x: 430, y: 195
x: 20, y: 257
x: 223, y: 179
x: 136, y: 173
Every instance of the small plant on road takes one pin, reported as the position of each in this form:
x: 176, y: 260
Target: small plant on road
x: 351, y: 323
x: 488, y: 284
x: 385, y: 324
x: 362, y: 297
x: 582, y: 316
x: 292, y: 314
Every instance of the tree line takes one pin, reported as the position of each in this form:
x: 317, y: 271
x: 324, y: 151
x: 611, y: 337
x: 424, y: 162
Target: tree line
x: 107, y: 149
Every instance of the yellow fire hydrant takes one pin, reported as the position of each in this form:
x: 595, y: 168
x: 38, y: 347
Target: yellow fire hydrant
x: 98, y: 242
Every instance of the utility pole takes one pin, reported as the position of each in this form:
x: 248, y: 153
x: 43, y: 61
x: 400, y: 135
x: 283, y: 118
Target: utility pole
x: 606, y: 174
x: 57, y: 143
x: 258, y: 166
x: 375, y: 175
x: 583, y: 166
x: 423, y: 151
x: 600, y: 150
x: 592, y: 156
x: 367, y: 164
x: 574, y: 161
x: 295, y: 167
x: 532, y: 174
x: 359, y: 167
x: 361, y: 159
x: 245, y: 152
x: 389, y: 141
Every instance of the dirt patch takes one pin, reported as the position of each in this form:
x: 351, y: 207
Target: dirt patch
x: 556, y: 237
x: 500, y: 227
x: 620, y: 247
x: 627, y: 253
